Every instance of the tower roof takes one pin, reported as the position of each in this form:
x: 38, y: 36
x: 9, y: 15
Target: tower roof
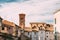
x: 22, y: 14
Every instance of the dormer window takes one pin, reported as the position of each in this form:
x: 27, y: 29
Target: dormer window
x: 40, y: 27
x: 48, y: 25
x: 33, y: 27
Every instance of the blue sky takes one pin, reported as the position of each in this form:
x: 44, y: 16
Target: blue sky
x: 35, y: 10
x: 9, y: 1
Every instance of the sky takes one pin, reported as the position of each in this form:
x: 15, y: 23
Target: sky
x: 35, y: 10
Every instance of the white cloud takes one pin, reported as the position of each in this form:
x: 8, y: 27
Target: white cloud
x: 32, y: 8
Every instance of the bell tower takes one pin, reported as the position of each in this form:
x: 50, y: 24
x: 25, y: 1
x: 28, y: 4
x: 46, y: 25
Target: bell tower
x: 22, y: 20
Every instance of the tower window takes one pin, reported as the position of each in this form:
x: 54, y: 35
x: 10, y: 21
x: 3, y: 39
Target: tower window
x: 47, y: 36
x: 21, y: 18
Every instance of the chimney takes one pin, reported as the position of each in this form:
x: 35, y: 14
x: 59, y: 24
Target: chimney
x: 22, y: 20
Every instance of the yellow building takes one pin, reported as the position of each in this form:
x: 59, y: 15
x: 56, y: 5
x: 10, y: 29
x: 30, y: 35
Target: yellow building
x: 8, y: 27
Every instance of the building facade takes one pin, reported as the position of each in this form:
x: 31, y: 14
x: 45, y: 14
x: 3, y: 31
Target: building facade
x: 57, y: 24
x: 42, y: 31
x: 36, y: 31
x: 57, y: 19
x: 28, y: 31
x: 8, y: 27
x: 49, y: 32
x: 39, y: 29
x: 57, y: 35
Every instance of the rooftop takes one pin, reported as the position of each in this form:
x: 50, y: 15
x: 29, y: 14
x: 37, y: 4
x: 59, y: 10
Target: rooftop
x: 8, y: 23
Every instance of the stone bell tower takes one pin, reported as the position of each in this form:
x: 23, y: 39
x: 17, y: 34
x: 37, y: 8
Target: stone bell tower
x: 22, y: 20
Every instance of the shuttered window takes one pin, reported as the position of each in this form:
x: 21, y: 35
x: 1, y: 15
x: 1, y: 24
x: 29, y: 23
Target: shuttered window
x: 55, y: 20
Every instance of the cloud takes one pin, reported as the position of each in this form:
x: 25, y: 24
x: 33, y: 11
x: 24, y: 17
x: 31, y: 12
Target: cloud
x: 35, y: 10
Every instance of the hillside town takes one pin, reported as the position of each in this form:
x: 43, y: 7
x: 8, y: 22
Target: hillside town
x: 36, y: 30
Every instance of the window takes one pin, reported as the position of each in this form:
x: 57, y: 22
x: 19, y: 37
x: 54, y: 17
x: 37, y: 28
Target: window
x: 28, y: 33
x: 2, y: 28
x: 43, y: 24
x: 48, y: 25
x: 46, y: 36
x: 41, y: 32
x: 47, y: 32
x: 35, y: 33
x: 33, y: 27
x: 39, y: 28
x: 9, y: 28
x: 30, y: 36
x: 55, y: 20
x: 50, y: 39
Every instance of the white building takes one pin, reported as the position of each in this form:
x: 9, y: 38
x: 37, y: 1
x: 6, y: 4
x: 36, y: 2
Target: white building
x: 57, y: 20
x: 42, y: 31
x: 57, y: 23
x: 35, y: 31
x: 49, y: 35
x: 58, y: 35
